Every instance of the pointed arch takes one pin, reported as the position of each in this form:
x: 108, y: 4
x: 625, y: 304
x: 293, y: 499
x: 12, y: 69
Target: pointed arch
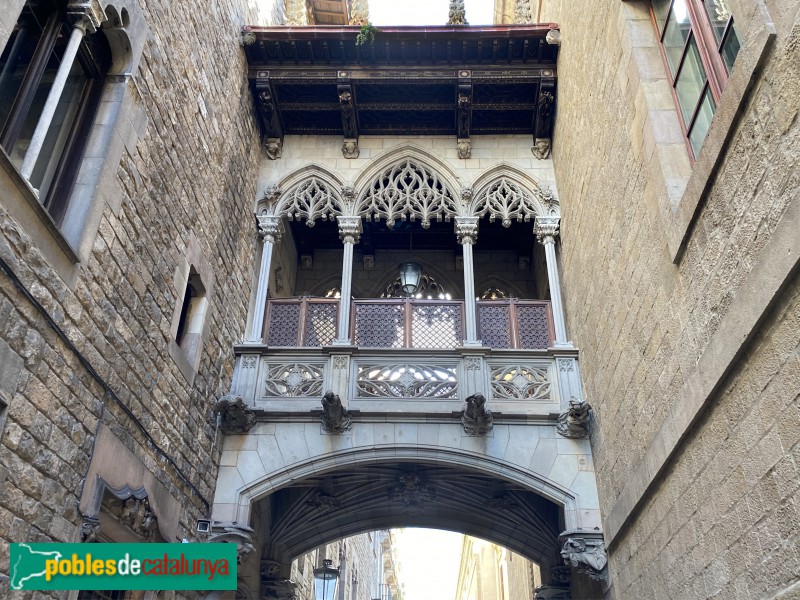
x: 408, y: 182
x: 310, y: 193
x: 509, y: 194
x: 439, y: 275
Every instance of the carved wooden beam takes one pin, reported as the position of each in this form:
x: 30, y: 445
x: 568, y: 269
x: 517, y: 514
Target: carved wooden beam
x: 267, y: 107
x: 464, y: 113
x: 545, y: 114
x: 347, y: 104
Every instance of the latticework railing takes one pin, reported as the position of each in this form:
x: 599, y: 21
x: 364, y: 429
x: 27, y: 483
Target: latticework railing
x: 409, y: 323
x: 422, y: 324
x: 522, y: 324
x: 301, y: 322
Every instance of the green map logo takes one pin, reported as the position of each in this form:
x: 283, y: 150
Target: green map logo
x: 122, y: 566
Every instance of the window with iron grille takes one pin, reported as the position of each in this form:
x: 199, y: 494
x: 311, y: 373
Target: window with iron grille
x: 699, y: 44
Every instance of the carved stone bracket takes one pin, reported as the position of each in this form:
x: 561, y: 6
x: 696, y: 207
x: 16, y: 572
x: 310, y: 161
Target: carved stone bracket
x: 335, y: 418
x: 235, y: 415
x: 476, y: 418
x: 350, y: 149
x: 574, y: 422
x: 464, y: 113
x: 90, y: 529
x: 233, y: 533
x: 132, y: 509
x: 273, y: 148
x: 268, y: 108
x: 585, y: 552
x: 86, y: 14
x: 541, y: 148
x: 347, y: 106
x: 545, y: 112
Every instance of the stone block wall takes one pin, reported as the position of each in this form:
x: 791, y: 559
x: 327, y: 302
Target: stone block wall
x: 681, y: 291
x: 94, y: 348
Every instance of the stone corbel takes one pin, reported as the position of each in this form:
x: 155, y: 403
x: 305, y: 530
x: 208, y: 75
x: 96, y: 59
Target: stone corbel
x: 585, y: 551
x: 267, y: 108
x: 90, y: 529
x: 233, y: 533
x: 476, y: 418
x: 335, y: 418
x: 545, y: 111
x: 234, y: 415
x: 86, y: 14
x: 574, y: 422
x: 273, y: 148
x: 464, y: 114
x: 347, y: 106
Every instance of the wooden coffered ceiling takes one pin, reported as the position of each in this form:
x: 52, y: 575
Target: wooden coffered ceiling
x: 459, y: 81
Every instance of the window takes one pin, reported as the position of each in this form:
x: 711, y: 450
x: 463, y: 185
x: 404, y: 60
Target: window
x: 193, y: 312
x: 699, y: 44
x: 51, y: 79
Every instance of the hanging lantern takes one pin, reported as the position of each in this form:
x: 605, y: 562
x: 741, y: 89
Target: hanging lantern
x: 410, y: 275
x: 325, y: 579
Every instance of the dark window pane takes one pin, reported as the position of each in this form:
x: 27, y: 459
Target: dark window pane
x: 690, y: 82
x: 702, y: 122
x: 676, y: 34
x: 730, y: 48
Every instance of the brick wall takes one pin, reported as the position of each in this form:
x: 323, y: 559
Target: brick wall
x: 665, y: 352
x: 190, y: 174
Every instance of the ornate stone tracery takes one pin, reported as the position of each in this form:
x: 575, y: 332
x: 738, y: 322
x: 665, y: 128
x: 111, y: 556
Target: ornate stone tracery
x: 507, y: 201
x: 310, y: 200
x: 406, y: 190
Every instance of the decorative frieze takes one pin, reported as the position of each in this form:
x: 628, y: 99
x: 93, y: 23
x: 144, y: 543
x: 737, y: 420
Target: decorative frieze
x: 293, y: 379
x: 520, y: 382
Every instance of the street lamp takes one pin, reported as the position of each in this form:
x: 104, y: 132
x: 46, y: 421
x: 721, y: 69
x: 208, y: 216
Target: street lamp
x: 325, y: 579
x: 410, y: 273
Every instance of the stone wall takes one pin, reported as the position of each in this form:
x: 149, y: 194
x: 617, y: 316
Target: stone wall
x: 681, y: 291
x: 95, y: 348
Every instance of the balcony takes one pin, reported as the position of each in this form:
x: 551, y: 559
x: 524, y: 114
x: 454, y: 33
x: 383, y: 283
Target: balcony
x: 407, y: 355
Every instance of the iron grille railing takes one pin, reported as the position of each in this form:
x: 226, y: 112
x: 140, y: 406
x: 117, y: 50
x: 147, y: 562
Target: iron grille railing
x: 407, y: 323
x: 423, y: 324
x: 301, y: 322
x: 523, y: 324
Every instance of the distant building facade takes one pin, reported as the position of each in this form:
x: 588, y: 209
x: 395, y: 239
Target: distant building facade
x: 490, y: 572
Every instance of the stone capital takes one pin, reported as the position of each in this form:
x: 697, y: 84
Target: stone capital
x: 87, y: 15
x: 466, y: 230
x: 546, y: 229
x: 270, y: 228
x: 349, y: 229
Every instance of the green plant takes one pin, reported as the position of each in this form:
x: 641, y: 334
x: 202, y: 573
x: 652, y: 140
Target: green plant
x: 366, y: 34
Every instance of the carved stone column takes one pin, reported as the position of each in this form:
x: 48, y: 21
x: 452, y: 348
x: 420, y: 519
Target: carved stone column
x: 350, y: 234
x: 467, y: 234
x: 270, y: 229
x: 546, y: 229
x: 86, y: 16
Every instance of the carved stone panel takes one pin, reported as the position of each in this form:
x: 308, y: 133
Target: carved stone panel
x: 520, y: 382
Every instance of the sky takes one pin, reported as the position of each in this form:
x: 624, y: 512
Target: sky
x: 426, y: 12
x: 429, y: 558
x: 429, y: 561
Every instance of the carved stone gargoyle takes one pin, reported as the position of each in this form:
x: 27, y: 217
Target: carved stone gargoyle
x: 233, y: 533
x: 234, y: 415
x: 574, y: 422
x: 586, y: 553
x: 335, y: 418
x: 476, y: 418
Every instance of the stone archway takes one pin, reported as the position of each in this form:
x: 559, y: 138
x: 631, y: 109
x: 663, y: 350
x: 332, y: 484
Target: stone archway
x: 521, y: 486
